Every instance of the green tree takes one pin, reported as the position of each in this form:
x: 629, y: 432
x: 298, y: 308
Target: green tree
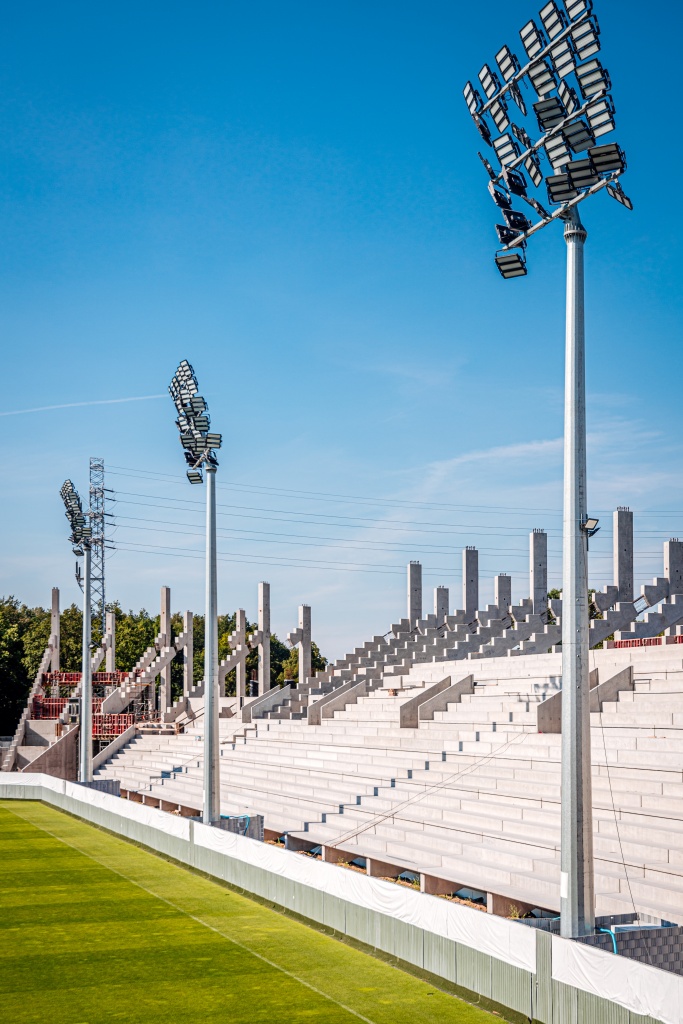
x: 14, y: 681
x: 290, y: 667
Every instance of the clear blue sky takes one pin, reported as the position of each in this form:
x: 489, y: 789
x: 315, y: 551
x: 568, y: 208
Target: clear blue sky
x: 289, y: 196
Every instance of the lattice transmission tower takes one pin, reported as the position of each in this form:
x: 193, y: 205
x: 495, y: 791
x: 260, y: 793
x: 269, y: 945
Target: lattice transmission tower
x: 98, y: 495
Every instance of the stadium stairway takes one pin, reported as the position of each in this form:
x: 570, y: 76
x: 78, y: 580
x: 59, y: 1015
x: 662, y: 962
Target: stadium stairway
x: 471, y: 797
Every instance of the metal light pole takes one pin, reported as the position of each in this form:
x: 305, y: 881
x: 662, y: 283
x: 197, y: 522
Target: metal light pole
x: 85, y: 753
x: 199, y: 445
x: 81, y: 539
x: 212, y: 802
x: 577, y: 914
x: 573, y: 111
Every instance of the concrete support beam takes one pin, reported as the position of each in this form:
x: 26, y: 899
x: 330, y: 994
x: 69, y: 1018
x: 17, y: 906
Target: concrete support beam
x: 437, y: 886
x: 538, y: 570
x: 304, y: 643
x: 188, y: 653
x: 297, y: 845
x: 441, y: 603
x: 110, y: 656
x: 165, y: 632
x: 331, y: 855
x: 506, y: 906
x: 264, y: 645
x: 470, y: 582
x: 622, y: 540
x: 380, y: 869
x: 414, y: 592
x: 55, y: 634
x: 240, y: 636
x: 503, y: 593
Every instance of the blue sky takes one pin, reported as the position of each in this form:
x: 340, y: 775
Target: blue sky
x: 289, y: 197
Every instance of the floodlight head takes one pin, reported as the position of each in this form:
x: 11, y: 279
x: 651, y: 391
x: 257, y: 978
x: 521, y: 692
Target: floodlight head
x: 472, y: 98
x: 511, y: 264
x: 195, y: 476
x: 214, y: 440
x: 608, y: 158
x: 615, y: 190
x: 532, y: 38
x: 500, y: 198
x: 592, y: 78
x: 585, y: 38
x: 560, y: 189
x: 489, y: 81
x: 562, y: 58
x: 601, y: 116
x: 582, y: 173
x: 506, y: 234
x: 483, y: 129
x: 521, y: 135
x: 590, y: 526
x: 549, y: 112
x: 553, y: 19
x: 514, y: 181
x: 542, y: 78
x: 575, y: 8
x: 557, y: 151
x: 516, y: 220
x: 499, y: 115
x: 489, y: 169
x: 568, y: 97
x: 507, y: 62
x: 532, y: 165
x: 578, y: 135
x: 506, y: 149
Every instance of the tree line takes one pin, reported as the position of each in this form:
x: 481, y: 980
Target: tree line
x: 25, y: 632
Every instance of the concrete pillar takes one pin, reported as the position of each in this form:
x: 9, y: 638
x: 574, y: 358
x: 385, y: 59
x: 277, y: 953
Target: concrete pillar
x: 673, y: 565
x: 55, y: 637
x: 538, y: 570
x: 264, y: 646
x: 110, y: 656
x: 622, y: 538
x: 414, y: 592
x: 470, y: 582
x: 441, y: 603
x: 305, y: 643
x: 165, y: 631
x: 502, y: 589
x: 240, y: 668
x: 188, y: 653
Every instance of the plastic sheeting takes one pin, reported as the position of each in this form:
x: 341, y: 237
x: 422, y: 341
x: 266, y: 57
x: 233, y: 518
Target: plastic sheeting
x: 170, y: 824
x: 505, y: 940
x: 629, y: 983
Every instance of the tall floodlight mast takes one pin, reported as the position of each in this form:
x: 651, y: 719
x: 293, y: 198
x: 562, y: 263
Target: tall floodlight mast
x: 573, y: 111
x: 81, y: 539
x: 199, y: 446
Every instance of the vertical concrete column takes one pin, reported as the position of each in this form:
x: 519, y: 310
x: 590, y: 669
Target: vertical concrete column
x: 165, y: 630
x: 538, y: 570
x: 188, y: 653
x: 55, y: 637
x: 622, y: 539
x: 304, y: 644
x: 502, y: 589
x: 673, y: 570
x: 414, y: 591
x: 110, y: 656
x: 240, y: 668
x: 470, y: 582
x: 441, y: 603
x: 264, y: 646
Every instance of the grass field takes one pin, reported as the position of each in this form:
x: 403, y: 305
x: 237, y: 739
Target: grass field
x: 95, y: 930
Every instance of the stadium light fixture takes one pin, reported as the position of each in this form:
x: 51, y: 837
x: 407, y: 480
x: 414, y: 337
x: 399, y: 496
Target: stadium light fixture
x: 573, y: 110
x: 81, y: 537
x: 199, y: 448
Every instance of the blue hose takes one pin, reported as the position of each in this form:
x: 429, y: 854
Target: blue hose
x: 608, y: 931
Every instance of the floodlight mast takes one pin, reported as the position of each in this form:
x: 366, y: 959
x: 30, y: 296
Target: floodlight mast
x: 81, y: 540
x: 569, y: 49
x: 199, y: 443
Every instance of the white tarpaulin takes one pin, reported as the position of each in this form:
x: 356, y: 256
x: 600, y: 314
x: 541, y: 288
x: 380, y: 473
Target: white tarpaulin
x: 634, y: 985
x: 514, y: 943
x: 171, y: 824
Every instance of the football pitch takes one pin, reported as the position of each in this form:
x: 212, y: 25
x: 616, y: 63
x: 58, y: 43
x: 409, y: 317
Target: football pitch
x: 96, y: 930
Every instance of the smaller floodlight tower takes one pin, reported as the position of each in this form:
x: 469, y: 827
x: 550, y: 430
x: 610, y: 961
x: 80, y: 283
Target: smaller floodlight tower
x: 199, y: 446
x: 81, y: 539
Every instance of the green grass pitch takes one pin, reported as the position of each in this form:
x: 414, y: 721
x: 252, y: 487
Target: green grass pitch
x: 96, y: 930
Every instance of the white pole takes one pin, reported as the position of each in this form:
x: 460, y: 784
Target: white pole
x: 576, y: 880
x: 212, y: 802
x: 85, y: 765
